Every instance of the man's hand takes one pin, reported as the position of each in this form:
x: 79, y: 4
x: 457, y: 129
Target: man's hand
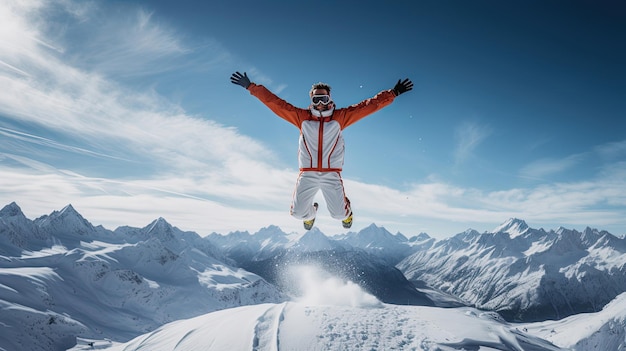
x: 402, y: 86
x: 240, y: 79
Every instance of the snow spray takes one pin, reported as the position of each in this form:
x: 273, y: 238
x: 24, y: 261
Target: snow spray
x: 318, y: 287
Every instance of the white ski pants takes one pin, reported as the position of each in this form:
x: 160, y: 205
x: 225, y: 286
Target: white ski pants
x: 331, y: 185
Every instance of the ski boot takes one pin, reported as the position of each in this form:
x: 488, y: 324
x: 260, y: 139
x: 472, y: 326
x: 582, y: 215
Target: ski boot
x: 347, y: 223
x: 308, y: 224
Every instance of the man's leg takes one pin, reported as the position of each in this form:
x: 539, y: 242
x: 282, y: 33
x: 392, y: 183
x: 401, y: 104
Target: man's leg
x: 333, y: 191
x: 306, y: 187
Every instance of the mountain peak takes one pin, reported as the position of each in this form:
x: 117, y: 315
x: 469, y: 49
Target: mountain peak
x: 67, y: 224
x: 69, y: 208
x: 313, y: 240
x: 11, y: 210
x: 372, y: 226
x: 513, y: 226
x: 67, y: 213
x: 376, y: 233
x: 160, y: 225
x: 270, y: 231
x: 420, y: 237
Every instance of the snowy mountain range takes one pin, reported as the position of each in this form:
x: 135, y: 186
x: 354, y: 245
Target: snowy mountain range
x: 61, y: 277
x: 364, y: 258
x: 64, y: 281
x: 525, y: 274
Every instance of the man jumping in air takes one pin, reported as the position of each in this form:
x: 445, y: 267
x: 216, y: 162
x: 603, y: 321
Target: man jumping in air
x: 321, y: 145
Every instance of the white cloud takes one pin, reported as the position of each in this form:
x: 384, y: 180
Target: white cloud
x: 599, y: 202
x: 190, y: 161
x: 207, y: 204
x: 199, y: 205
x: 93, y: 110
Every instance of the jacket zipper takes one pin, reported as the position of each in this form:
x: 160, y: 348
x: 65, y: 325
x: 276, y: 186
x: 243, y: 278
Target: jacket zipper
x: 320, y: 143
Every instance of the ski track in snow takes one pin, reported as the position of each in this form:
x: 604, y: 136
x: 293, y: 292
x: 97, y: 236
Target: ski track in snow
x: 266, y: 330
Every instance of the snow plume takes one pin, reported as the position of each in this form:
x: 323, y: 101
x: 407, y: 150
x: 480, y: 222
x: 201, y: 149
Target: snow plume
x: 318, y: 287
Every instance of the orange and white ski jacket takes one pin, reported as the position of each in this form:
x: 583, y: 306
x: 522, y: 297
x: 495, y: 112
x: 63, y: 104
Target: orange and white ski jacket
x: 321, y: 145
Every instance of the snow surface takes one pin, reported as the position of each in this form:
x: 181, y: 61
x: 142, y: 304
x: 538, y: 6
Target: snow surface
x: 333, y: 315
x: 602, y: 331
x: 296, y: 326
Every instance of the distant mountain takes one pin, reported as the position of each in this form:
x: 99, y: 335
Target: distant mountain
x: 381, y: 243
x: 18, y: 233
x: 61, y: 277
x: 271, y: 252
x: 271, y: 241
x: 525, y: 274
x: 68, y: 227
x: 242, y: 246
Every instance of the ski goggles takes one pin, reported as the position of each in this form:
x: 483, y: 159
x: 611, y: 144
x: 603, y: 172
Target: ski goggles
x: 321, y: 99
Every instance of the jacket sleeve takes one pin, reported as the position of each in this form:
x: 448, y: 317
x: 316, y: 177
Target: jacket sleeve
x: 279, y: 106
x: 354, y: 113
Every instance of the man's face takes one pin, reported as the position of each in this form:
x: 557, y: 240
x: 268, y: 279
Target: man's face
x: 322, y: 107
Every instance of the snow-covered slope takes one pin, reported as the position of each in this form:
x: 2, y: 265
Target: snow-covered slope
x: 342, y: 317
x: 525, y: 274
x: 81, y: 280
x: 333, y: 315
x: 599, y: 331
x: 297, y: 326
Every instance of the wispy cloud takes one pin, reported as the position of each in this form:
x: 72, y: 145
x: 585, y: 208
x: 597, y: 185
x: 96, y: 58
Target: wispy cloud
x: 612, y: 150
x: 542, y: 168
x: 48, y: 143
x: 127, y: 44
x: 605, y: 154
x: 469, y: 136
x: 93, y: 110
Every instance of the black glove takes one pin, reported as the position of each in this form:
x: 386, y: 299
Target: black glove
x: 240, y: 79
x: 403, y: 86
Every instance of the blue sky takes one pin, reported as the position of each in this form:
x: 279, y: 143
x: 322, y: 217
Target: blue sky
x: 125, y: 110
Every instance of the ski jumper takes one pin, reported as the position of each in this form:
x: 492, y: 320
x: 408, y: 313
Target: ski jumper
x: 321, y: 148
